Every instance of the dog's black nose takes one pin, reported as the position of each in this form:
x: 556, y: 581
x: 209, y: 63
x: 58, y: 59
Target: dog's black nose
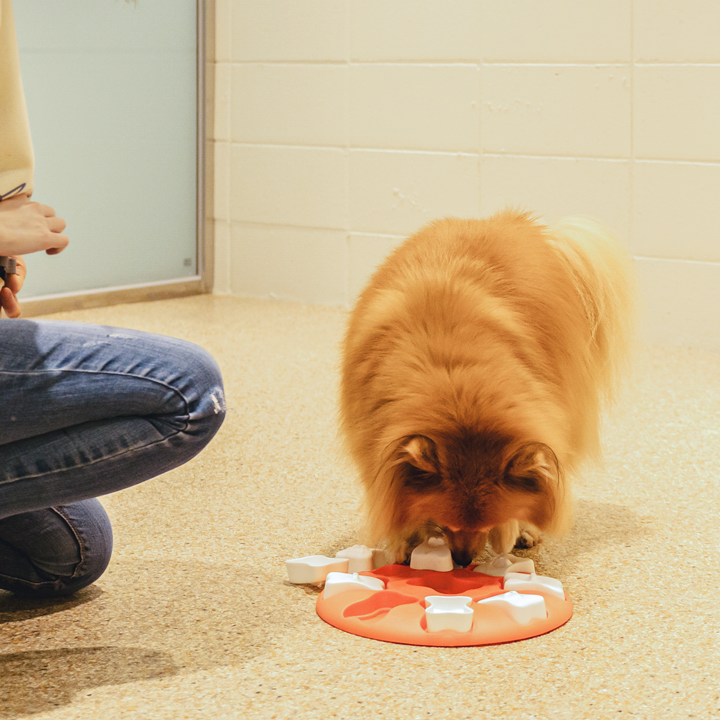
x: 462, y: 557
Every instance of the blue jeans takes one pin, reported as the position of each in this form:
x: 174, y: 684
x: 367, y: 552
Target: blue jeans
x: 86, y: 410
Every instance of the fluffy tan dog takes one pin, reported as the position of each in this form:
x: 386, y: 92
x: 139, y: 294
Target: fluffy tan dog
x: 474, y: 368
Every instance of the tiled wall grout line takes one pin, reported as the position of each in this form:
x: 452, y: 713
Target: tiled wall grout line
x: 539, y: 156
x: 676, y: 64
x: 683, y: 261
x: 556, y: 64
x: 630, y: 240
x: 347, y: 269
x: 481, y: 94
x: 228, y: 170
x: 677, y: 161
x: 601, y: 158
x: 312, y: 228
x: 364, y: 63
x: 371, y: 149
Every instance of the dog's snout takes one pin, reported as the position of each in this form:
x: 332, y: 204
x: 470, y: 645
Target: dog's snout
x: 462, y: 557
x: 465, y: 544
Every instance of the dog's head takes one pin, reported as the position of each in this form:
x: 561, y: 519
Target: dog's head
x: 464, y: 485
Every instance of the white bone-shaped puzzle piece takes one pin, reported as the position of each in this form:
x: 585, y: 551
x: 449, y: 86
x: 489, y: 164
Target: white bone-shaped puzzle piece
x: 433, y: 554
x: 314, y: 568
x: 339, y: 582
x: 523, y: 609
x: 506, y: 564
x: 360, y: 557
x: 522, y: 582
x: 448, y: 612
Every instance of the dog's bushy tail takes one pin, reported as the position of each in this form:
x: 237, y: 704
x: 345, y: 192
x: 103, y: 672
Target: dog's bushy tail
x: 604, y: 278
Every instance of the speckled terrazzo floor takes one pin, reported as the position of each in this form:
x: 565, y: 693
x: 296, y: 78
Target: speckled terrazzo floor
x: 194, y: 618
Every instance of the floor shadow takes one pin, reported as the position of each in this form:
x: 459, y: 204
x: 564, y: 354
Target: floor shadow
x: 607, y: 523
x: 595, y: 525
x: 187, y: 615
x: 15, y: 609
x: 342, y: 542
x: 41, y: 680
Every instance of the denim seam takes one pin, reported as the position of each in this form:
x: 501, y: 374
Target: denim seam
x: 106, y: 372
x: 92, y: 462
x: 81, y: 544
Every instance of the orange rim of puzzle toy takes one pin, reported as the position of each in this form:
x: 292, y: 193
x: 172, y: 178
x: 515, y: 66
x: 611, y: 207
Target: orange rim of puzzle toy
x: 398, y: 613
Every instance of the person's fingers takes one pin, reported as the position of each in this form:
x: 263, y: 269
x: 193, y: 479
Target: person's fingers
x: 14, y: 283
x: 46, y: 210
x: 59, y: 242
x: 56, y: 224
x: 15, y: 280
x: 33, y: 227
x: 9, y: 303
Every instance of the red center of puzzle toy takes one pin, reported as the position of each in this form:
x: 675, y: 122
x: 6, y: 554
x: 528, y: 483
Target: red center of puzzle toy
x: 398, y: 613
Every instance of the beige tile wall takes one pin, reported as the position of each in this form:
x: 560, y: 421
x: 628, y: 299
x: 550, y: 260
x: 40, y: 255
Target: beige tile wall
x: 344, y: 125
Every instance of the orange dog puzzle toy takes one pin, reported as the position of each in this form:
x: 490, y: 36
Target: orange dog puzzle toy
x: 502, y: 601
x: 446, y: 609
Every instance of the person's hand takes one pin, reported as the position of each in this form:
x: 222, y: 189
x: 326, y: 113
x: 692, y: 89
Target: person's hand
x: 8, y: 294
x: 28, y: 227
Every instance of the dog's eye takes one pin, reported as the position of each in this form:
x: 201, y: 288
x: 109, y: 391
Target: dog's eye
x: 416, y: 479
x: 523, y: 483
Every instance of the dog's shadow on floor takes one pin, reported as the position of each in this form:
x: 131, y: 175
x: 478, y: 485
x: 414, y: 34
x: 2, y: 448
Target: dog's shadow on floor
x: 595, y: 525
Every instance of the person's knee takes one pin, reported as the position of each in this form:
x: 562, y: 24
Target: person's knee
x: 214, y: 395
x: 92, y: 526
x: 82, y: 543
x: 208, y: 404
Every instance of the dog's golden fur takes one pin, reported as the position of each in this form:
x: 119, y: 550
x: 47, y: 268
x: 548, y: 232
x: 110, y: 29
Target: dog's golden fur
x: 475, y: 364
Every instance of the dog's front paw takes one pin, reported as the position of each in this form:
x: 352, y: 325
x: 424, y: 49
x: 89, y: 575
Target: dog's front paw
x: 528, y: 537
x: 401, y: 555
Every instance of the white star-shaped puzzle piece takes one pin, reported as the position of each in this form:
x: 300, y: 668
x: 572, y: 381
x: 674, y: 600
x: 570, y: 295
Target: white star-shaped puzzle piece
x: 506, y: 564
x: 522, y: 582
x: 523, y: 609
x: 313, y: 569
x: 339, y: 582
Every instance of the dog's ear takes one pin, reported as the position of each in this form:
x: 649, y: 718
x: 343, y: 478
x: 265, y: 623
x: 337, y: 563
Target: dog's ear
x: 421, y: 452
x: 532, y: 468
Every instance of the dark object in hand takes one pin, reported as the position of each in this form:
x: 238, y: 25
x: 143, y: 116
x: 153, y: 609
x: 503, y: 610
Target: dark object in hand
x: 8, y: 266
